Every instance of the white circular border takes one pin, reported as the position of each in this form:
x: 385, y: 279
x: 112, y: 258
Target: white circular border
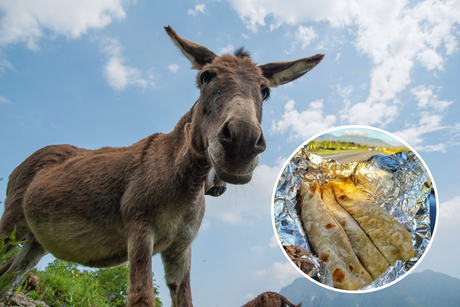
x: 432, y: 235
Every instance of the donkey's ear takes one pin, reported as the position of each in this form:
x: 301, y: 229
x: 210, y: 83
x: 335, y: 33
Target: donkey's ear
x: 197, y: 54
x: 283, y: 72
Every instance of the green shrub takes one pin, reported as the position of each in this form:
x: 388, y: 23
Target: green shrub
x: 66, y: 284
x: 5, y: 256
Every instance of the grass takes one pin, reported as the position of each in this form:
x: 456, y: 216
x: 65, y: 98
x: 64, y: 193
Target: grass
x: 5, y: 256
x: 65, y: 284
x: 390, y: 151
x: 337, y: 147
x: 321, y: 152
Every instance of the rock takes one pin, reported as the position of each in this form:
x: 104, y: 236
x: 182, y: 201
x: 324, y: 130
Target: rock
x: 20, y: 299
x: 31, y: 281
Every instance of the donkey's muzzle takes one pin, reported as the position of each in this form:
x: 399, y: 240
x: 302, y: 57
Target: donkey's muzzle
x: 236, y: 144
x: 241, y: 138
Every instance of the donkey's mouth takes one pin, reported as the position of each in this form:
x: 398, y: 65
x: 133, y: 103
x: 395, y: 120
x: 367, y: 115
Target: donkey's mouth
x: 227, y: 177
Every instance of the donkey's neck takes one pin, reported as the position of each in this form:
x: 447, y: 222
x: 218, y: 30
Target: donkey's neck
x: 186, y: 158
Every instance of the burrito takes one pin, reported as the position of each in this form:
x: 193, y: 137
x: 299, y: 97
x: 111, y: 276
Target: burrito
x: 330, y: 242
x: 369, y: 256
x: 392, y: 239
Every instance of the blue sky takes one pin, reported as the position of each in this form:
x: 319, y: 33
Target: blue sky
x: 104, y: 73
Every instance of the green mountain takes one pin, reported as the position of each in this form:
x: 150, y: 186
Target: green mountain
x: 425, y: 289
x: 357, y: 139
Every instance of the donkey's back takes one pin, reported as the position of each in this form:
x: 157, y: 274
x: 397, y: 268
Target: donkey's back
x: 66, y: 170
x: 20, y: 180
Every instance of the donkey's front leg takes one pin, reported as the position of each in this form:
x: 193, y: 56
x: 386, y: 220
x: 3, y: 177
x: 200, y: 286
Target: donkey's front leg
x: 177, y: 260
x: 140, y: 246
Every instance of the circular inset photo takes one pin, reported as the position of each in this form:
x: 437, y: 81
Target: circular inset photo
x: 354, y: 209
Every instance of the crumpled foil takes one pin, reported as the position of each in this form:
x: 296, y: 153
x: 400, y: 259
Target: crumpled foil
x: 399, y: 183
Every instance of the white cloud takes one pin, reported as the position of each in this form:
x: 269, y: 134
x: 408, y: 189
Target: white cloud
x: 442, y: 147
x: 245, y: 36
x: 174, y: 68
x: 430, y: 59
x: 273, y: 242
x: 429, y: 121
x: 354, y: 132
x: 449, y: 212
x: 394, y: 34
x: 4, y: 99
x: 427, y: 99
x: 304, y: 124
x: 413, y: 134
x: 367, y: 113
x: 337, y: 57
x: 246, y: 204
x: 331, y: 41
x: 284, y: 272
x: 227, y: 49
x: 249, y: 296
x: 119, y: 75
x: 305, y: 35
x: 199, y: 8
x: 29, y: 20
x: 344, y: 92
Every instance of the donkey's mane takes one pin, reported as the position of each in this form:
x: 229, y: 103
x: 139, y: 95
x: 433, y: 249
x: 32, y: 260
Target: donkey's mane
x: 241, y: 53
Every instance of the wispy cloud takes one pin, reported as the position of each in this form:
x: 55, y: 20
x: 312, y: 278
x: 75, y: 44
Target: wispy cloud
x: 256, y: 248
x: 174, y: 68
x: 337, y: 57
x: 305, y: 35
x: 4, y: 65
x: 414, y: 133
x: 344, y: 91
x: 118, y: 74
x: 430, y: 121
x: 284, y: 272
x: 4, y: 100
x: 199, y: 8
x: 228, y: 49
x: 427, y: 99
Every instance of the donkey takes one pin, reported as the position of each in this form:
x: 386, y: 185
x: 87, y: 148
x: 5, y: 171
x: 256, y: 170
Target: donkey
x: 101, y: 208
x: 271, y: 299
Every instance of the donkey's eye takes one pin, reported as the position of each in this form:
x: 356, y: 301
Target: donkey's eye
x: 207, y: 77
x: 265, y: 92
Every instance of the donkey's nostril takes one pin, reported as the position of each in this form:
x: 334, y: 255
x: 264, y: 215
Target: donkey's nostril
x: 261, y: 144
x: 225, y: 133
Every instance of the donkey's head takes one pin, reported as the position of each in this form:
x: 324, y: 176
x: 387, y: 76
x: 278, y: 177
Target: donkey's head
x: 225, y: 121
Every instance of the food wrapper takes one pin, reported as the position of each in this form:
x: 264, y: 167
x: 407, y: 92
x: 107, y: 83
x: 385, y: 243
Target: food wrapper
x: 399, y: 183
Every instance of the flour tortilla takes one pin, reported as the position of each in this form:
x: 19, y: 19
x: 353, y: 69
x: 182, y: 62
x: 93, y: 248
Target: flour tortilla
x: 330, y: 242
x: 369, y: 256
x: 388, y: 235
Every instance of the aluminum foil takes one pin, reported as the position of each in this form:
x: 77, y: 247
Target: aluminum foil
x: 399, y: 183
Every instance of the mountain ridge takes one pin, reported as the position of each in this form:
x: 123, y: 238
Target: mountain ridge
x: 421, y: 289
